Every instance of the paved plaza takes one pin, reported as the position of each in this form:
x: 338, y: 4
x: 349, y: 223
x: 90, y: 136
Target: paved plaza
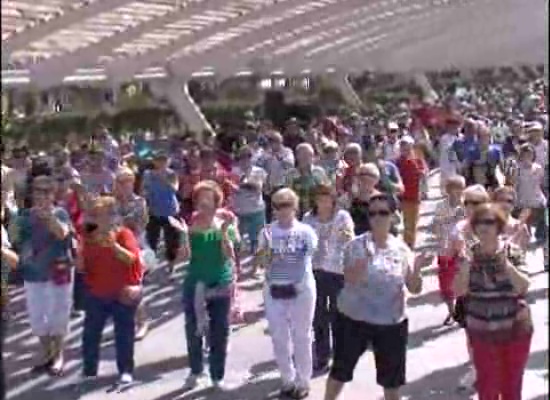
x: 436, y: 358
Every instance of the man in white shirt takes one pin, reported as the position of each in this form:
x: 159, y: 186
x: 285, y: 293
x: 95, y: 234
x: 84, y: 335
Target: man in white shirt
x: 391, y: 146
x: 535, y: 130
x: 449, y: 163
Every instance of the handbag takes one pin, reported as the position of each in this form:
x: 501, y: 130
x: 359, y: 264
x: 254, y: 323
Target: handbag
x: 283, y: 292
x: 131, y: 295
x: 61, y: 272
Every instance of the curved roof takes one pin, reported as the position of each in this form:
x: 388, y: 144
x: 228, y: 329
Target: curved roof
x: 48, y: 42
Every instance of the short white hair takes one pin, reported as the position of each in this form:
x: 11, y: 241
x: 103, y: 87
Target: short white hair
x: 285, y: 195
x: 369, y: 168
x: 353, y: 147
x: 305, y: 147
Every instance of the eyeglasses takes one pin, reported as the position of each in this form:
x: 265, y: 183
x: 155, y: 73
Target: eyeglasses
x: 379, y: 213
x: 281, y: 205
x: 485, y: 222
x: 473, y: 202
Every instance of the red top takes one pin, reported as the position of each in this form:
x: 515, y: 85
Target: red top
x: 344, y: 180
x: 411, y: 170
x: 75, y: 213
x: 105, y: 274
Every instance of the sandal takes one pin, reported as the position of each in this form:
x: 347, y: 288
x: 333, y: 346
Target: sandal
x: 299, y: 393
x: 56, y: 370
x: 286, y: 392
x: 42, y: 368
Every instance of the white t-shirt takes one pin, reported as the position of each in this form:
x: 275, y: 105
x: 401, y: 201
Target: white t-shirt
x: 528, y: 186
x: 541, y: 153
x: 333, y: 237
x: 247, y: 200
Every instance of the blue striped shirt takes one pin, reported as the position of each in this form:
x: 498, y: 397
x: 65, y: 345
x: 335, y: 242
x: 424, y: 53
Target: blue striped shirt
x: 291, y: 251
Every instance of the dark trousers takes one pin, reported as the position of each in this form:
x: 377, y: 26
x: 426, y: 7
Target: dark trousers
x: 97, y: 312
x: 171, y: 236
x: 328, y: 288
x: 3, y: 323
x: 79, y: 292
x: 218, y: 334
x: 539, y: 222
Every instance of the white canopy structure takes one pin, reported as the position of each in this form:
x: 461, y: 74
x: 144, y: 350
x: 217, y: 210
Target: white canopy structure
x: 46, y: 43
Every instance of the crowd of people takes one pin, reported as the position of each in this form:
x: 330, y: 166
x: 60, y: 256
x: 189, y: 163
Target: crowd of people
x: 330, y: 213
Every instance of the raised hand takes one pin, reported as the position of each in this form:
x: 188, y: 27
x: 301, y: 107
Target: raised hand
x: 355, y: 274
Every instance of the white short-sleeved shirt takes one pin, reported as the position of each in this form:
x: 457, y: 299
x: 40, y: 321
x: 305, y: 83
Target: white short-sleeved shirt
x: 380, y: 298
x: 333, y: 237
x: 291, y: 250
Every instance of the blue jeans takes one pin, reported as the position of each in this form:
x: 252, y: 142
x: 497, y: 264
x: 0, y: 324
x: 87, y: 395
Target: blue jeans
x: 218, y: 334
x: 251, y: 225
x: 97, y: 312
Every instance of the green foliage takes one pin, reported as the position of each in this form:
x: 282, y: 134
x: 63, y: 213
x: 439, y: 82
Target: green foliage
x: 44, y: 130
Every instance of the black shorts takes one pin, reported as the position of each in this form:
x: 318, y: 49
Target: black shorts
x: 388, y: 343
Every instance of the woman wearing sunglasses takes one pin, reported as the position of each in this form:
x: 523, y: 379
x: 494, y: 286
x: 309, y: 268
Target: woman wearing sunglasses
x: 44, y: 239
x: 498, y: 322
x: 516, y: 230
x: 285, y: 249
x: 207, y: 288
x: 334, y: 228
x: 112, y: 292
x: 371, y: 306
x: 462, y: 238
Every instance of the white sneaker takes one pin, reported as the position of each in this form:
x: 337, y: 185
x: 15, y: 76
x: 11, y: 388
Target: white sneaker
x: 192, y: 382
x: 467, y: 382
x: 126, y: 379
x: 219, y: 385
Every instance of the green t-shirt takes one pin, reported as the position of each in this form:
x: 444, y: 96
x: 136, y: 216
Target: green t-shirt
x: 208, y: 263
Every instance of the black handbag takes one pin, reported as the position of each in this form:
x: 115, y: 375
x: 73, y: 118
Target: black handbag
x: 283, y: 292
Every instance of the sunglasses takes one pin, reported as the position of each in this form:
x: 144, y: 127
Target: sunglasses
x: 486, y: 222
x: 367, y: 174
x: 379, y: 213
x: 507, y: 201
x: 473, y: 202
x: 42, y: 190
x: 280, y: 206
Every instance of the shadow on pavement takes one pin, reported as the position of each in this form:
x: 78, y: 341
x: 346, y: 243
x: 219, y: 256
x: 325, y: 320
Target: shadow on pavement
x: 21, y: 344
x: 429, y: 334
x: 535, y: 295
x: 428, y: 298
x: 538, y: 360
x: 439, y: 385
x: 252, y: 390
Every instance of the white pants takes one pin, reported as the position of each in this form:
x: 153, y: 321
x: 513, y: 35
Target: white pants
x: 290, y: 325
x: 49, y: 307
